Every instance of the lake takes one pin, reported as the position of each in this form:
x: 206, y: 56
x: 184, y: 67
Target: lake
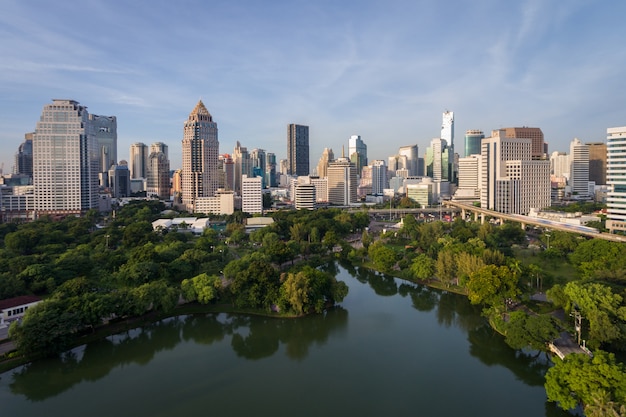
x: 390, y: 348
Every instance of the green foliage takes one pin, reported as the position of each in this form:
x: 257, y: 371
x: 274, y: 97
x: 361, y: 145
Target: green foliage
x: 595, y: 255
x: 382, y: 256
x: 309, y: 290
x: 202, y: 288
x: 530, y: 331
x: 580, y: 379
x: 492, y: 285
x: 445, y: 267
x: 423, y: 267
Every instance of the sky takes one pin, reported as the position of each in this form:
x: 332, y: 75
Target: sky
x: 385, y: 70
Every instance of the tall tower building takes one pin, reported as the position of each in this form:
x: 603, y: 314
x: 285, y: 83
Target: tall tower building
x: 24, y: 157
x: 447, y: 128
x: 158, y: 181
x: 512, y: 182
x: 138, y: 161
x: 228, y: 167
x: 65, y: 160
x: 438, y: 160
x: 357, y: 152
x: 534, y: 134
x: 597, y: 162
x: 297, y: 150
x: 106, y: 140
x: 257, y: 165
x: 472, y: 142
x: 200, y: 174
x: 579, y: 168
x: 251, y: 195
x: 159, y: 147
x: 270, y: 169
x: 616, y: 178
x: 412, y: 159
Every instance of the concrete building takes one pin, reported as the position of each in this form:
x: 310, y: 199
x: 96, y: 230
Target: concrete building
x: 227, y: 180
x: 270, y: 170
x: 24, y: 157
x: 200, y: 176
x: 322, y: 166
x: 251, y: 195
x: 412, y: 159
x: 469, y: 178
x: 579, y: 168
x: 534, y: 134
x: 158, y: 181
x: 241, y: 159
x: 342, y: 182
x: 65, y: 160
x: 321, y: 189
x: 512, y: 182
x: 138, y: 161
x: 380, y: 181
x: 616, y: 179
x: 424, y: 192
x: 223, y: 202
x: 304, y: 195
x: 297, y: 150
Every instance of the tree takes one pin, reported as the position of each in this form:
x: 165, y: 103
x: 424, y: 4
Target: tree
x: 423, y: 267
x: 532, y: 331
x: 492, y: 285
x: 580, y: 379
x: 445, y: 267
x: 202, y: 288
x: 383, y: 257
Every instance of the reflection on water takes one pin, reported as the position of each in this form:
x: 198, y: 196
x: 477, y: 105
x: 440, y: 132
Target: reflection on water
x: 401, y: 341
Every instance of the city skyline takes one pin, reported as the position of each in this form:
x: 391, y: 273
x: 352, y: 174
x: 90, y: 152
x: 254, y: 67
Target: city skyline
x: 384, y: 71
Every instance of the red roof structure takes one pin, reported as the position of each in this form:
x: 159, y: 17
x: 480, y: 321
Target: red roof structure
x: 18, y: 301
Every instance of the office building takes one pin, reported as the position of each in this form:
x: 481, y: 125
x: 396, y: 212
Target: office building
x: 243, y: 166
x: 227, y: 180
x: 138, y: 161
x: 342, y: 182
x: 304, y: 193
x: 158, y: 181
x: 560, y: 164
x: 379, y: 177
x: 511, y: 181
x: 105, y: 128
x: 270, y: 170
x: 597, y: 162
x: 119, y: 181
x: 616, y: 179
x: 24, y: 157
x: 357, y: 152
x: 159, y: 147
x: 297, y: 150
x: 438, y: 160
x: 534, y: 134
x: 412, y: 159
x: 200, y: 176
x: 65, y: 160
x: 472, y: 142
x: 579, y: 168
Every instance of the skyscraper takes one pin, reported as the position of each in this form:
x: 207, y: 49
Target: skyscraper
x: 322, y: 165
x: 357, y: 152
x: 65, y: 160
x: 616, y: 178
x: 379, y: 177
x: 438, y: 160
x: 270, y: 169
x: 158, y: 181
x: 241, y: 159
x: 297, y: 150
x: 579, y: 168
x: 106, y: 140
x: 472, y: 142
x: 447, y: 128
x: 138, y: 161
x: 24, y: 157
x: 200, y: 174
x: 597, y: 162
x: 342, y: 182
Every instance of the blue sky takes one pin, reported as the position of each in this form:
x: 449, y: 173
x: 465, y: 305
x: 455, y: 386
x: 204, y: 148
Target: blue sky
x: 385, y: 70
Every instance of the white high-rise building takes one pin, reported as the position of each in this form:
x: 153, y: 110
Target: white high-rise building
x: 616, y: 178
x: 579, y: 168
x: 559, y: 164
x: 251, y: 194
x: 342, y: 182
x: 65, y: 160
x: 322, y: 165
x: 379, y: 177
x: 447, y: 128
x: 357, y: 152
x: 412, y: 159
x: 512, y: 182
x: 200, y: 173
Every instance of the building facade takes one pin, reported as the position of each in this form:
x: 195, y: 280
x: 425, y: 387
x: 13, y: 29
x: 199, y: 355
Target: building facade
x: 597, y: 162
x: 297, y: 150
x: 534, y: 134
x: 65, y: 160
x: 342, y: 182
x: 616, y: 178
x: 357, y: 152
x: 106, y: 140
x: 158, y: 182
x: 138, y: 160
x: 472, y: 142
x: 200, y: 176
x: 251, y: 195
x: 24, y: 157
x: 579, y: 168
